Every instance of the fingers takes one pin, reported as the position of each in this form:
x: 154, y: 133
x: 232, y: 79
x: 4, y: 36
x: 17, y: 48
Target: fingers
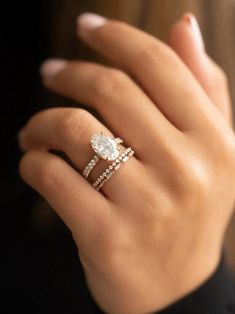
x: 186, y: 40
x: 155, y: 67
x: 70, y: 130
x: 121, y: 103
x: 67, y: 192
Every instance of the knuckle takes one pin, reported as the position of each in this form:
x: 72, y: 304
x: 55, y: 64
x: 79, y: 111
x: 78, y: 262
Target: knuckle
x: 156, y: 53
x: 227, y: 151
x: 193, y: 179
x: 24, y: 165
x: 50, y: 175
x: 147, y: 55
x: 218, y: 77
x: 106, y: 82
x: 73, y: 121
x: 221, y: 76
x: 117, y: 27
x: 222, y: 145
x: 40, y: 172
x: 196, y: 176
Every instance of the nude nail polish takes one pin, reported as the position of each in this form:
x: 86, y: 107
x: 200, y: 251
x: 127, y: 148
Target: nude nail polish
x: 191, y: 20
x: 87, y: 22
x: 51, y: 68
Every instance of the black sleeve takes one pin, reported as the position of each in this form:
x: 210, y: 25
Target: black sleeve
x: 215, y: 296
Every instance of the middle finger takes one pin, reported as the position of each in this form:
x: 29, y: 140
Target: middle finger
x: 156, y: 67
x: 124, y: 107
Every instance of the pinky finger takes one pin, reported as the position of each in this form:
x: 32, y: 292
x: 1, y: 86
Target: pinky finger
x: 186, y: 40
x: 78, y: 204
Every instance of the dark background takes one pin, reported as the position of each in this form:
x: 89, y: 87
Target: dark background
x: 40, y: 271
x: 36, y: 276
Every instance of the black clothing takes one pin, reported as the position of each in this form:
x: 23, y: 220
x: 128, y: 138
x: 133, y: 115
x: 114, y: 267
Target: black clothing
x: 215, y: 296
x: 40, y: 270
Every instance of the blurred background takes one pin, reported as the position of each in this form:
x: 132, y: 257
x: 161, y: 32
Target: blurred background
x: 36, y: 245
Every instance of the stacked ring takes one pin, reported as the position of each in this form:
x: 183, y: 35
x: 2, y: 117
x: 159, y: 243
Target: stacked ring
x: 108, y: 173
x: 107, y: 149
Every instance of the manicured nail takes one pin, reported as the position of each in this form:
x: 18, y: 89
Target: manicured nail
x: 51, y: 68
x: 89, y: 21
x: 191, y: 20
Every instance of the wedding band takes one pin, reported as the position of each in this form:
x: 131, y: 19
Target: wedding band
x: 113, y: 168
x: 104, y: 147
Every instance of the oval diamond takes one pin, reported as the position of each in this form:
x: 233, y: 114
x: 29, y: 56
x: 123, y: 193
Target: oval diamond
x: 104, y: 146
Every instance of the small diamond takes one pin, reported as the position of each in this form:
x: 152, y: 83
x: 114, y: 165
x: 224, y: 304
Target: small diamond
x: 118, y: 166
x: 125, y: 159
x: 109, y: 175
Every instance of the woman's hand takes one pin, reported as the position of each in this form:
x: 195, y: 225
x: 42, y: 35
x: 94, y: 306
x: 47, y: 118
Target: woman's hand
x: 156, y: 231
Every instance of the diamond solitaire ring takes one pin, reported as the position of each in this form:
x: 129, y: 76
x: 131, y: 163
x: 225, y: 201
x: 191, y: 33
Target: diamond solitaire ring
x: 105, y: 148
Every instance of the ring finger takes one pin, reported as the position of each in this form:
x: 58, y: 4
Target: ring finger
x: 69, y: 130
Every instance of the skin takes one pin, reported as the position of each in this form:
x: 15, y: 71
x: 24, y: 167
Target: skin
x: 156, y: 230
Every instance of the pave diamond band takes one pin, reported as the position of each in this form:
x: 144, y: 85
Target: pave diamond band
x: 105, y: 147
x: 109, y: 172
x: 90, y: 166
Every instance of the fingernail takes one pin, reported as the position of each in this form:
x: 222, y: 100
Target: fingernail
x: 191, y: 20
x: 87, y: 22
x: 51, y: 68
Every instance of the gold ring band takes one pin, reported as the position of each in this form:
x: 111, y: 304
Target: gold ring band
x: 109, y: 172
